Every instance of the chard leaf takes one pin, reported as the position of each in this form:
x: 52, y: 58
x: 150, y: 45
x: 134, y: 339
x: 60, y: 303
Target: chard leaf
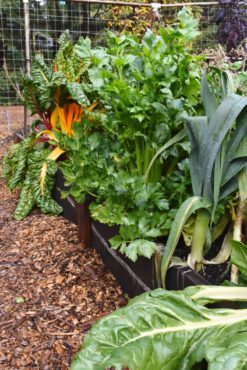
x: 29, y: 162
x: 26, y: 201
x: 77, y: 93
x: 226, y: 352
x: 15, y: 162
x: 239, y: 256
x: 165, y: 330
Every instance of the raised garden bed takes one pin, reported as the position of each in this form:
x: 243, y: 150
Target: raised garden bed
x: 135, y: 278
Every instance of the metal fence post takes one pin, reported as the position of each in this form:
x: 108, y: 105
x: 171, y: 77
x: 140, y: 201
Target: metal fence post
x: 27, y: 53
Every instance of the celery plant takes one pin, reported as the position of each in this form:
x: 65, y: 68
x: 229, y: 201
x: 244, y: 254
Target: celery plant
x: 145, y: 85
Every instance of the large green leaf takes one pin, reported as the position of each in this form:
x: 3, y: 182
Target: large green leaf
x: 237, y: 136
x: 227, y: 353
x: 77, y: 93
x: 207, y: 136
x: 219, y: 126
x: 165, y: 330
x: 26, y: 201
x: 15, y: 162
x: 227, y: 83
x: 22, y: 167
x: 208, y: 98
x: 190, y: 206
x: 196, y: 127
x: 236, y: 152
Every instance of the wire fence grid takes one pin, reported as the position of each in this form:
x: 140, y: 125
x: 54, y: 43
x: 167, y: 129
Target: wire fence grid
x: 49, y: 18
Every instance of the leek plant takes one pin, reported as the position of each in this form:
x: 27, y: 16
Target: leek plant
x: 217, y: 156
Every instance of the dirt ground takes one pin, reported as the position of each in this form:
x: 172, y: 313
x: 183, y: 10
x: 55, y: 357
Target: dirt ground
x: 51, y: 291
x: 12, y: 117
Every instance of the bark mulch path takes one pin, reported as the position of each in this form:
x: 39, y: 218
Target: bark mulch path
x: 51, y: 291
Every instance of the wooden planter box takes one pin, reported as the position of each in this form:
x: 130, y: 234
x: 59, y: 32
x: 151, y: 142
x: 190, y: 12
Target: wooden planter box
x: 134, y: 277
x: 138, y: 277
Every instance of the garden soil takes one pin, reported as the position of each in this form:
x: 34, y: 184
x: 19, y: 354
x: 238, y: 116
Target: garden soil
x: 51, y: 290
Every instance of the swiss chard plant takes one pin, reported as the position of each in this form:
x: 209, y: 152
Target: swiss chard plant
x: 59, y: 95
x: 22, y: 168
x: 57, y: 90
x: 165, y: 330
x: 239, y: 259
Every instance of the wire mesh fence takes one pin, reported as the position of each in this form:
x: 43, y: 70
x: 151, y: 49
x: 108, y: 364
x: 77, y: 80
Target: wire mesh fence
x: 49, y: 18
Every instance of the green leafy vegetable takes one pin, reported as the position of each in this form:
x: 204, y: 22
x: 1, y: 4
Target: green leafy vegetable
x: 132, y: 160
x: 239, y: 256
x: 15, y: 162
x: 22, y: 168
x: 169, y: 330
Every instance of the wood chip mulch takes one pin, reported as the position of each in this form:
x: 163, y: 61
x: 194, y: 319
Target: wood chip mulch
x: 51, y: 291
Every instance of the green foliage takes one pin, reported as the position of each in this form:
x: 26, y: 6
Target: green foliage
x: 217, y: 157
x: 169, y: 331
x: 242, y: 82
x: 22, y: 168
x: 214, y: 160
x: 15, y: 162
x: 38, y: 92
x: 38, y: 87
x: 67, y: 62
x: 89, y: 159
x: 144, y: 86
x: 141, y: 210
x: 64, y: 82
x: 145, y: 99
x: 44, y: 201
x: 239, y: 259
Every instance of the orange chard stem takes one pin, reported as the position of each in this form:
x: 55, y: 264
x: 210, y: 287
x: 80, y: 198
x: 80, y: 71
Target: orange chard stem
x: 77, y: 117
x: 70, y: 117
